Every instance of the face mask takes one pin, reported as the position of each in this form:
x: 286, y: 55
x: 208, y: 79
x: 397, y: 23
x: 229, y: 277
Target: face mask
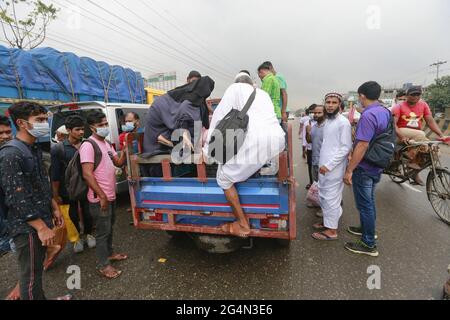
x: 39, y: 129
x: 128, y: 127
x: 103, y: 132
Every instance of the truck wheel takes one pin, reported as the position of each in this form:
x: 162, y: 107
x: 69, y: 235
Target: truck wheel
x: 284, y: 243
x: 218, y: 244
x: 176, y: 234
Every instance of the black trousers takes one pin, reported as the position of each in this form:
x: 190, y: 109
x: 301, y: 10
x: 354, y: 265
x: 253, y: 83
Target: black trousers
x: 310, y: 166
x: 30, y: 255
x: 87, y: 217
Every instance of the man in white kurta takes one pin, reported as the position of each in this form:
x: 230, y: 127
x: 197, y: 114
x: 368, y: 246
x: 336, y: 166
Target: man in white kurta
x: 264, y: 141
x: 336, y: 147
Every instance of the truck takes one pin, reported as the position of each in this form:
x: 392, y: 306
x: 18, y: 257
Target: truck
x: 197, y: 207
x: 67, y: 84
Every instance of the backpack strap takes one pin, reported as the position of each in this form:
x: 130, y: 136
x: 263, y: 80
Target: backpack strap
x: 97, y: 152
x: 61, y: 153
x: 247, y: 106
x: 28, y: 160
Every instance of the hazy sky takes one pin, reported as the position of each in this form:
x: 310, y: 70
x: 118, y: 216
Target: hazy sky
x: 319, y: 46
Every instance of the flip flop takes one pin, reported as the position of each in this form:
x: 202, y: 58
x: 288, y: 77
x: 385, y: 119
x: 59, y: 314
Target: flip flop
x: 110, y: 275
x: 118, y: 257
x: 323, y: 237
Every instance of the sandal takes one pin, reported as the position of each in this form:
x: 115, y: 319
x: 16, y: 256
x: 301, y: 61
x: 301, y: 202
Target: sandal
x: 111, y: 274
x: 118, y: 257
x: 322, y: 236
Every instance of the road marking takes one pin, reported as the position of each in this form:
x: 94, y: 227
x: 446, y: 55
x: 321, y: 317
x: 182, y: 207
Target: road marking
x: 412, y: 188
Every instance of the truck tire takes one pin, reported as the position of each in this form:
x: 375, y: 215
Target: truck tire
x: 176, y: 234
x: 218, y: 244
x: 284, y: 243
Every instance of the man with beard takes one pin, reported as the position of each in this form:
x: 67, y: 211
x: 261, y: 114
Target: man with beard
x: 314, y: 135
x: 336, y: 147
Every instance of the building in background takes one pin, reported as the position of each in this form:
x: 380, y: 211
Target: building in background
x: 163, y: 81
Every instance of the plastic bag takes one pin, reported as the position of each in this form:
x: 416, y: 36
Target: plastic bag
x: 313, y: 195
x: 72, y: 232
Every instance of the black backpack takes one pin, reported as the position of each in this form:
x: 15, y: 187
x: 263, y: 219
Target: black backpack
x: 236, y: 123
x: 76, y: 186
x: 29, y: 164
x: 382, y: 149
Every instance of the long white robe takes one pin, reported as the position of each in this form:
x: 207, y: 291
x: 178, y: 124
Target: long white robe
x: 336, y: 147
x: 264, y: 141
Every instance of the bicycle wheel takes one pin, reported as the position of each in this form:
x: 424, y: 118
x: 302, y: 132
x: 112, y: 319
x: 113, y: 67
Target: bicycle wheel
x: 438, y: 190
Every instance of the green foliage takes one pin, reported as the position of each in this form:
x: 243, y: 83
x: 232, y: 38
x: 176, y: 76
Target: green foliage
x: 438, y: 94
x: 29, y: 30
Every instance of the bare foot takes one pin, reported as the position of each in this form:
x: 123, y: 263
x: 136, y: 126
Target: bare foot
x: 118, y: 257
x: 14, y: 295
x: 236, y: 229
x: 110, y: 272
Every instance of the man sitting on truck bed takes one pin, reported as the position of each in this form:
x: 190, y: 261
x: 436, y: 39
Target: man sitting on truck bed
x: 265, y: 140
x: 178, y: 109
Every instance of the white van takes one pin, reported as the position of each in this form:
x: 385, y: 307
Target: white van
x: 115, y: 113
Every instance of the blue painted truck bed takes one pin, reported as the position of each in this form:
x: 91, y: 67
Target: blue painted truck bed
x: 198, y: 205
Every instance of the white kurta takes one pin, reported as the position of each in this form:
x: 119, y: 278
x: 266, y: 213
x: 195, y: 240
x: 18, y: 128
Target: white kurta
x: 264, y: 141
x: 336, y: 147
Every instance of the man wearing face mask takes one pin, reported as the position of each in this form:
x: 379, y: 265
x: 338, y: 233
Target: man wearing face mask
x: 336, y: 146
x: 61, y: 154
x: 102, y: 190
x: 132, y: 125
x: 27, y: 195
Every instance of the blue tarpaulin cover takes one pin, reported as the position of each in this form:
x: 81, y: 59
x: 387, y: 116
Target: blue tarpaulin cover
x: 47, y: 74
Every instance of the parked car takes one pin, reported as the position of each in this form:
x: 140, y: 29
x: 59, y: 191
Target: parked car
x: 115, y: 113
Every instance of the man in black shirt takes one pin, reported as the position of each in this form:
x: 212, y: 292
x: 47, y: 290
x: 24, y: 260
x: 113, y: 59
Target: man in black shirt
x: 28, y: 197
x: 61, y: 155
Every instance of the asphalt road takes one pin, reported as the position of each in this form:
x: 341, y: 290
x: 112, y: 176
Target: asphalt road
x: 414, y: 254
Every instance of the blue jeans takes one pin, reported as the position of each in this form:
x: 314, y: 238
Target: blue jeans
x: 364, y: 185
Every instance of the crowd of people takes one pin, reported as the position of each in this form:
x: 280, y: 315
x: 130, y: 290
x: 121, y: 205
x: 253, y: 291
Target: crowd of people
x: 32, y: 198
x: 337, y: 147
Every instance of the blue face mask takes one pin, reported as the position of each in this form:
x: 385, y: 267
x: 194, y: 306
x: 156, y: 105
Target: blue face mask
x: 103, y: 132
x: 128, y: 127
x: 39, y: 129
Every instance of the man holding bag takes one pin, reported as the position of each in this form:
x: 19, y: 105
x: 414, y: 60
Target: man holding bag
x: 263, y: 141
x: 61, y: 154
x: 25, y: 185
x: 364, y: 175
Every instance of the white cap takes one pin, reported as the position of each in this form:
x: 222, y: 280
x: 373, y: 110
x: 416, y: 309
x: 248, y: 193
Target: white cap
x: 62, y: 130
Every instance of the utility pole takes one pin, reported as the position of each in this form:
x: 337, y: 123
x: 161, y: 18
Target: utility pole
x: 438, y: 66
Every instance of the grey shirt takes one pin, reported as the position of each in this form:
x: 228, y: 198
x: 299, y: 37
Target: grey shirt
x: 317, y: 140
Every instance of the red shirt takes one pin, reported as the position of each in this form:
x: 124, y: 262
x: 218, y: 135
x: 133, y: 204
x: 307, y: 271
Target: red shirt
x: 411, y: 116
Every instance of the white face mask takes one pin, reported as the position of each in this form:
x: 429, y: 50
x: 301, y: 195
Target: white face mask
x: 128, y: 127
x: 103, y: 132
x: 39, y: 129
